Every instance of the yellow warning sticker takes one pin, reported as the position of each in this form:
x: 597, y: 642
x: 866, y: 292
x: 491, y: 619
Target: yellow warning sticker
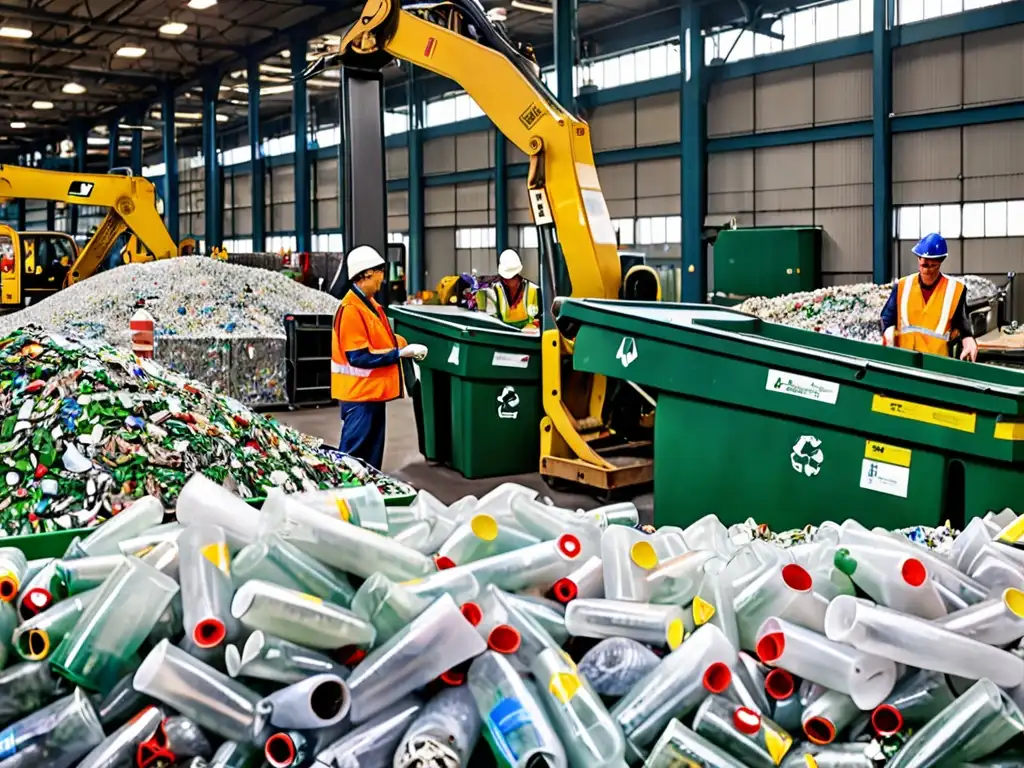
x: 890, y: 454
x: 1009, y: 430
x: 777, y: 743
x: 564, y: 686
x: 703, y: 611
x: 927, y: 414
x: 311, y: 598
x: 344, y: 511
x: 218, y: 555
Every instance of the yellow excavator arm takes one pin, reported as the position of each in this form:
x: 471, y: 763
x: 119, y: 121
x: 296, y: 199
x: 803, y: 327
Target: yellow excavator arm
x: 130, y: 202
x: 455, y: 39
x: 563, y: 179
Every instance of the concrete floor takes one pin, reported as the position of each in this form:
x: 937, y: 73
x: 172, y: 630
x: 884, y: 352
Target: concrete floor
x: 402, y: 459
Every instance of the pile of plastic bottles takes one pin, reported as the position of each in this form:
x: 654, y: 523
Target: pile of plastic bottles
x: 327, y: 629
x: 86, y: 428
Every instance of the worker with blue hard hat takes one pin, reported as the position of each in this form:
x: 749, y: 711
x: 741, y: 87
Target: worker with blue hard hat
x: 927, y: 312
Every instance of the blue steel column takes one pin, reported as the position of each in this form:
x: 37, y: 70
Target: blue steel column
x: 79, y: 137
x: 214, y: 230
x: 259, y: 179
x: 881, y: 141
x: 417, y: 222
x: 136, y: 152
x: 565, y: 52
x: 693, y: 154
x: 500, y: 191
x: 170, y: 148
x: 114, y: 134
x: 300, y: 118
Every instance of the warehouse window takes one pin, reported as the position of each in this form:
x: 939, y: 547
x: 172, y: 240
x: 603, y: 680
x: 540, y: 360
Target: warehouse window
x: 1001, y: 218
x: 328, y: 242
x: 235, y: 156
x: 450, y: 109
x: 475, y: 237
x: 630, y: 67
x: 624, y: 228
x: 241, y: 245
x: 795, y: 30
x: 528, y: 237
x: 909, y: 11
x: 279, y: 243
x: 659, y: 230
x: 150, y: 171
x: 399, y: 237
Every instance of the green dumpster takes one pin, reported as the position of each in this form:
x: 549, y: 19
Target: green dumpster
x: 478, y: 402
x: 791, y: 427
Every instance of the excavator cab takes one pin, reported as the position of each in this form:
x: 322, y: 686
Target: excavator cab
x: 33, y: 265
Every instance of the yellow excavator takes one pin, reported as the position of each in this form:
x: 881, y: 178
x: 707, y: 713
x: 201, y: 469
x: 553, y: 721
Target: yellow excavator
x: 34, y: 265
x: 581, y: 440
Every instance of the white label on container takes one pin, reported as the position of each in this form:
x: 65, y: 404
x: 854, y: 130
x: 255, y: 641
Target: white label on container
x: 802, y: 386
x: 453, y: 356
x: 508, y: 360
x: 884, y: 478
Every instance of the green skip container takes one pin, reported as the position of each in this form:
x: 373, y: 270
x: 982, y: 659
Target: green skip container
x: 478, y: 400
x: 790, y: 427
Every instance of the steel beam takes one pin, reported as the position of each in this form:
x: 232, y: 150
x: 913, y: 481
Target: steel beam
x: 416, y: 275
x: 114, y: 139
x: 70, y: 20
x: 214, y: 229
x: 170, y: 151
x: 501, y: 191
x: 693, y: 157
x: 565, y: 52
x: 881, y: 141
x: 258, y: 187
x: 300, y: 120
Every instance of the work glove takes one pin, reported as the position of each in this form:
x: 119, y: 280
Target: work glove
x: 415, y: 351
x: 889, y: 337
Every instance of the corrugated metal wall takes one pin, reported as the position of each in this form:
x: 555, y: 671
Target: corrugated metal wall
x: 979, y: 163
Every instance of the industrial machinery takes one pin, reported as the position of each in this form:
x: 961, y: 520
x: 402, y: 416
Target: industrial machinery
x: 456, y: 39
x: 131, y: 204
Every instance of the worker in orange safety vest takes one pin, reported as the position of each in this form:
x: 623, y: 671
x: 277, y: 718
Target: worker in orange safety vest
x: 365, y: 372
x: 927, y: 312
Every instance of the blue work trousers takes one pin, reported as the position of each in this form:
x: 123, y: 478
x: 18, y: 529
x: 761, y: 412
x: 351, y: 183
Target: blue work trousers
x: 362, y: 431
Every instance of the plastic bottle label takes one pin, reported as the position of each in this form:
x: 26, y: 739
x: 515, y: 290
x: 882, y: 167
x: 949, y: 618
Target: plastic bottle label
x: 506, y: 717
x: 8, y: 743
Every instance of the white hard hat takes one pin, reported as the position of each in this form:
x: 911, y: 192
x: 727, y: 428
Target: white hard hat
x: 361, y: 258
x: 509, y: 264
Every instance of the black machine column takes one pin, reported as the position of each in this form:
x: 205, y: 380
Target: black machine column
x: 365, y: 194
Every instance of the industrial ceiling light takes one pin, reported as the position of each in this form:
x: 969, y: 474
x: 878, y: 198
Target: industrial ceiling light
x: 73, y: 89
x: 17, y: 33
x: 201, y: 5
x: 173, y: 28
x: 17, y: 125
x: 131, y: 52
x: 42, y: 105
x: 532, y: 7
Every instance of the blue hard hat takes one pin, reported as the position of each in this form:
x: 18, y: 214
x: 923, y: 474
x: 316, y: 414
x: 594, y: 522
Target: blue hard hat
x: 932, y: 246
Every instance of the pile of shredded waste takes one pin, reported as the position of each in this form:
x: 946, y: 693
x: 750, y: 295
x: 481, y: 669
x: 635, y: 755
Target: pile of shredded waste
x: 851, y: 311
x: 189, y: 296
x: 85, y: 428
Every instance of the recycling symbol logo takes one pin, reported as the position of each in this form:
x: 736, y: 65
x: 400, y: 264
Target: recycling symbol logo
x: 627, y: 352
x: 807, y: 456
x: 508, y: 404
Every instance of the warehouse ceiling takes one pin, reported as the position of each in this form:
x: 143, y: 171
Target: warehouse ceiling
x: 67, y: 60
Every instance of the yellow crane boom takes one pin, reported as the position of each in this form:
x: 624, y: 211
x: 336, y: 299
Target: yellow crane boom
x: 130, y: 202
x: 454, y: 38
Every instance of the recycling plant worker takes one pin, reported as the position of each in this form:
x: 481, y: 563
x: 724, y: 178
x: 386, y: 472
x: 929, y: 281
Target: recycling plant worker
x: 928, y: 311
x: 513, y: 299
x: 365, y: 372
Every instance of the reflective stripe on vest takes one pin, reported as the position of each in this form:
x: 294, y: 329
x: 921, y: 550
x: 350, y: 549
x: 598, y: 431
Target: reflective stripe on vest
x: 950, y: 289
x: 520, y: 312
x: 350, y: 370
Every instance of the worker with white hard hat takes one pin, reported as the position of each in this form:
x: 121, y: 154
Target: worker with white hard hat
x: 927, y: 311
x: 365, y: 372
x: 513, y: 299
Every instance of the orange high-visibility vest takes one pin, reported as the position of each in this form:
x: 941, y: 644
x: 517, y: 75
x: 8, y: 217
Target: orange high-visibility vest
x: 356, y: 327
x: 927, y: 326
